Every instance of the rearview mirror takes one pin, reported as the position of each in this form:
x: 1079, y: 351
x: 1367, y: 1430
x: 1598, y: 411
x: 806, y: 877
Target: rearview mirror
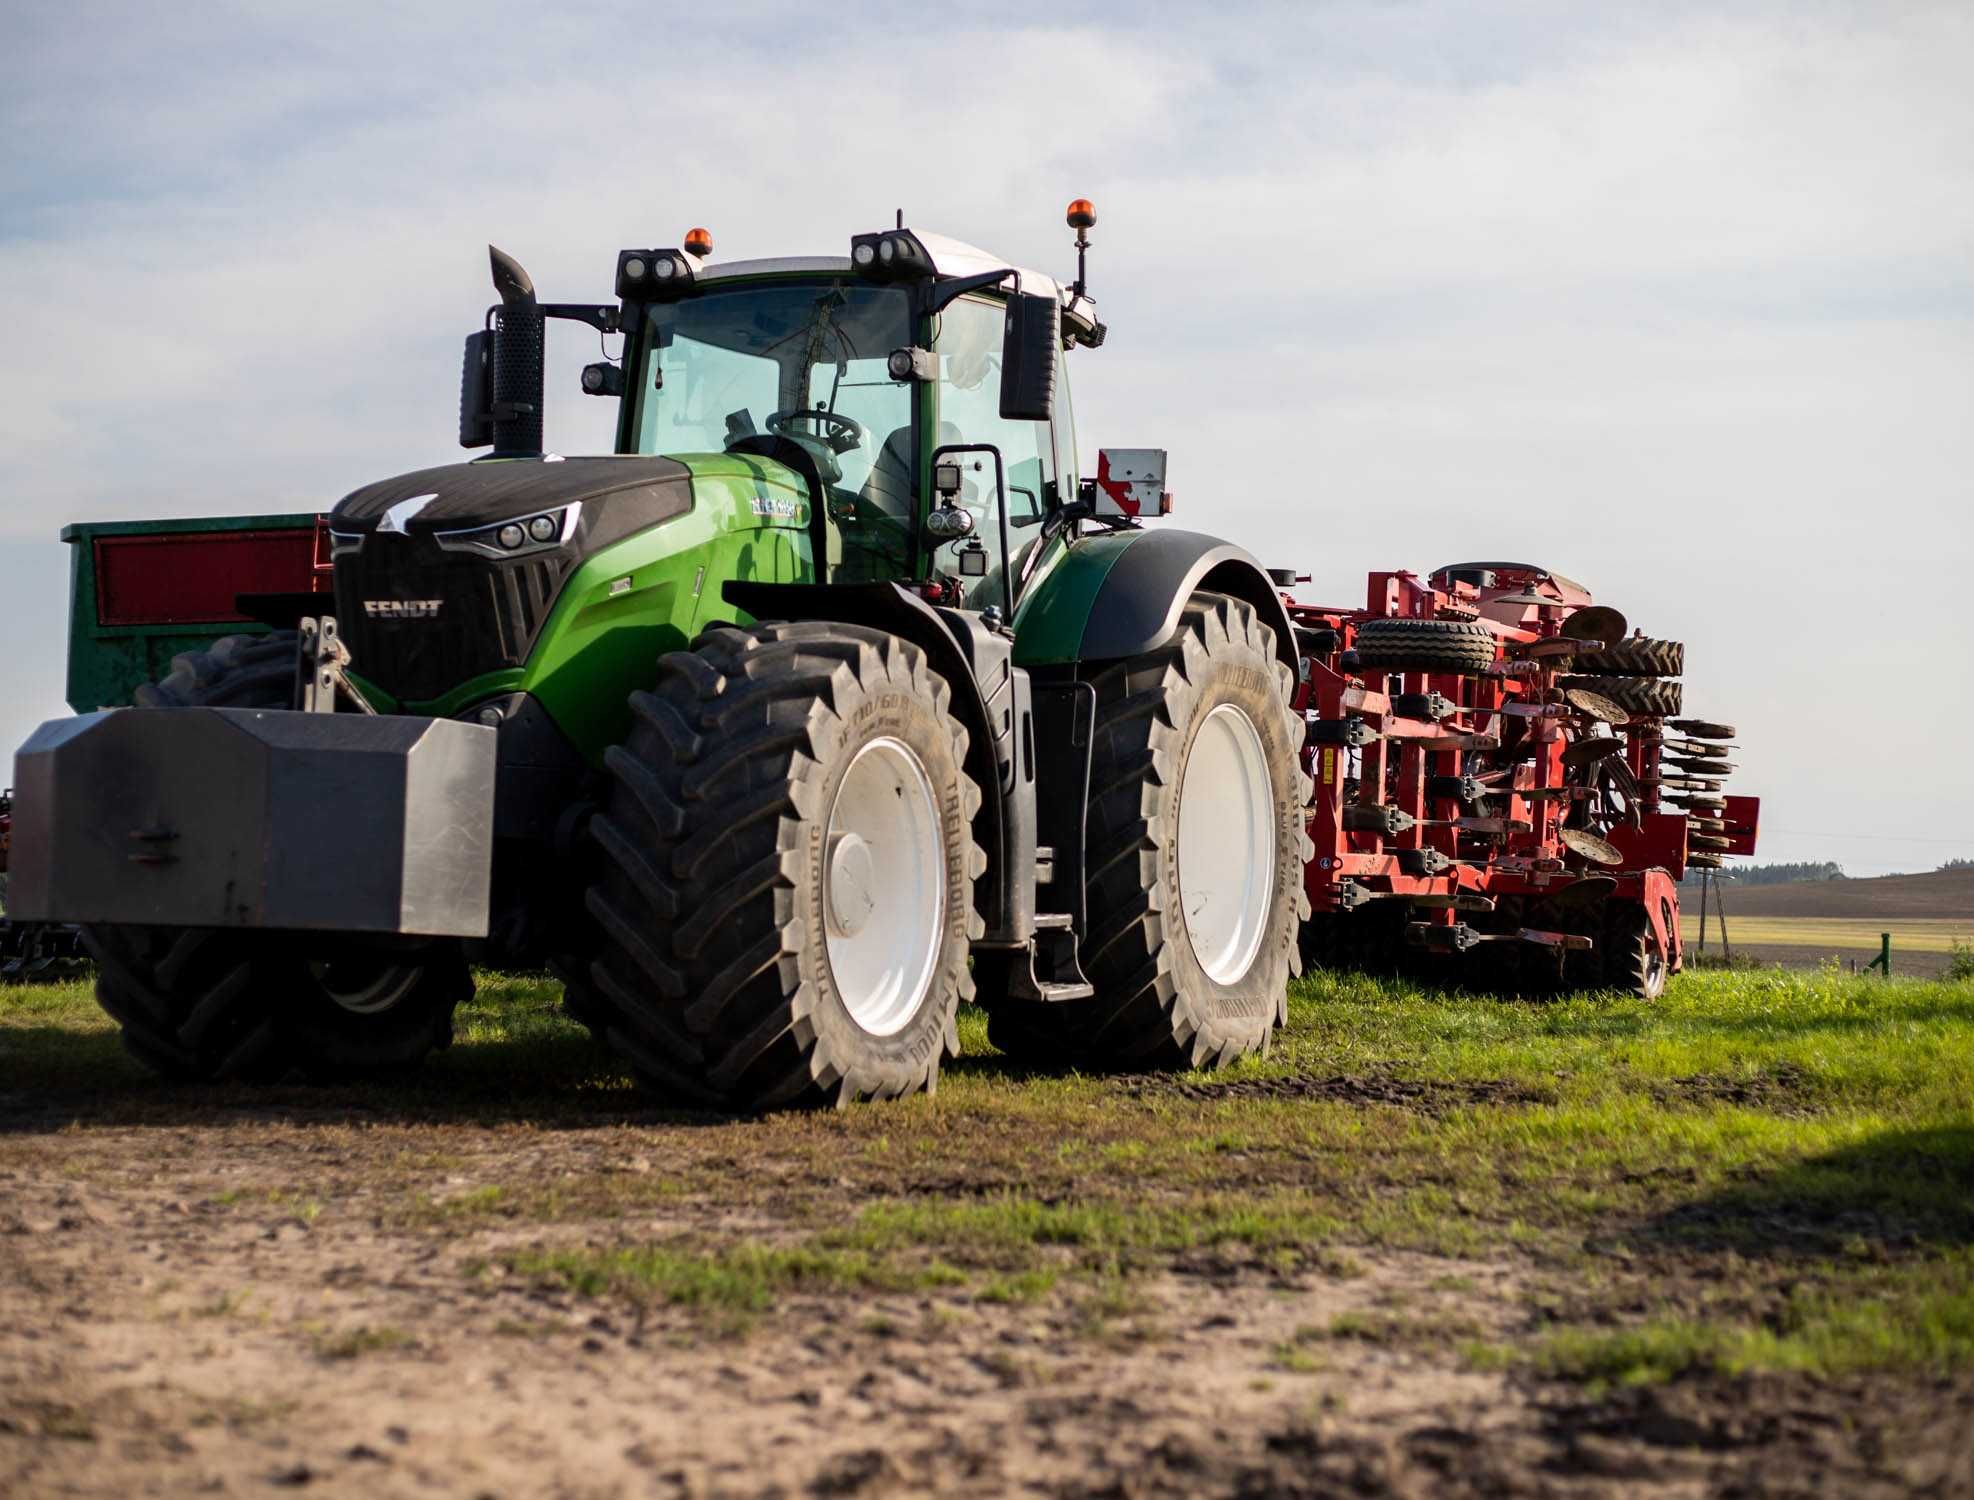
x: 1029, y: 348
x: 476, y: 391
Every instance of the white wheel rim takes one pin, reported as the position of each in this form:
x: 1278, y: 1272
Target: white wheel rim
x: 884, y: 886
x: 1226, y: 844
x: 367, y: 991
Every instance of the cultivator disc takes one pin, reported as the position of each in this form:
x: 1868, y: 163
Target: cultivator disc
x: 1591, y: 847
x: 1703, y: 729
x: 1595, y: 706
x: 1598, y: 623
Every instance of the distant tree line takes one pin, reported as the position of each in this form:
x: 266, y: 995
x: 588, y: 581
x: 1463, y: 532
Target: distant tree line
x: 1777, y: 874
x: 1958, y: 864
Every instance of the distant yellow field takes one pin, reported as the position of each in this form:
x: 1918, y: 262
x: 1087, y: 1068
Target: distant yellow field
x: 1916, y: 935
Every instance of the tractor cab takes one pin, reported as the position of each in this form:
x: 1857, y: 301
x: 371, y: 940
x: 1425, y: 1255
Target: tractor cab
x: 873, y: 376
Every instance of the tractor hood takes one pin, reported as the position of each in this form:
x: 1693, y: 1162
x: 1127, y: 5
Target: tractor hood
x: 617, y: 496
x: 446, y: 574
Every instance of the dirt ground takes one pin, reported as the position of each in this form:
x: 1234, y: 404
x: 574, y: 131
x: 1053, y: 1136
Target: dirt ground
x: 234, y: 1294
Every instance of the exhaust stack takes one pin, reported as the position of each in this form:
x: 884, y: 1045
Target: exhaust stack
x: 517, y: 361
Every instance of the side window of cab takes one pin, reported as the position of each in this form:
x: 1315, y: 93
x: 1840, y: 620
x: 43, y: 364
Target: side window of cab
x: 968, y: 343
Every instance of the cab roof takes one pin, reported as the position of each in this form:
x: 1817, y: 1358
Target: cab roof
x: 951, y: 259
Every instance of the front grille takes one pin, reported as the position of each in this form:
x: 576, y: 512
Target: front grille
x: 488, y: 612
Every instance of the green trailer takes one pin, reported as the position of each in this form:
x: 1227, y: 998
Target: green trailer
x: 144, y: 592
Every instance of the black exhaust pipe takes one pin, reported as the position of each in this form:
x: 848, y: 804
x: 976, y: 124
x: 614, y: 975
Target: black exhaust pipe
x: 517, y: 361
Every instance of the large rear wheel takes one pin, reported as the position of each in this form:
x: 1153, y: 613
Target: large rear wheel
x: 211, y: 1003
x: 1196, y: 849
x: 788, y: 863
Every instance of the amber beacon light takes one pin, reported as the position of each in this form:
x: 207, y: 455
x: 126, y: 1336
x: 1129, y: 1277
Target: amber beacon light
x: 699, y: 242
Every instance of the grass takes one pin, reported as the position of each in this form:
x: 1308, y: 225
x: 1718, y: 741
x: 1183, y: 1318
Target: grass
x: 1764, y: 1170
x: 353, y: 1343
x: 1916, y: 1321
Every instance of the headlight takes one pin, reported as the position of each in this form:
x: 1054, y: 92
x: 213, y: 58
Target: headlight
x: 523, y: 536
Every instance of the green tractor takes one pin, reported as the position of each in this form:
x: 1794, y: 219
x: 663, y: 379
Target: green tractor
x: 833, y: 698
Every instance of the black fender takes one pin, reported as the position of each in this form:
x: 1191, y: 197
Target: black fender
x: 1137, y: 607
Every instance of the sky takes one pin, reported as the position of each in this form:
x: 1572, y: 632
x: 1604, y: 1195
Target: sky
x: 1677, y: 300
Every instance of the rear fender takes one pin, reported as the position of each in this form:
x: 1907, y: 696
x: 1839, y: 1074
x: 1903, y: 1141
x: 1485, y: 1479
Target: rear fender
x: 1121, y: 594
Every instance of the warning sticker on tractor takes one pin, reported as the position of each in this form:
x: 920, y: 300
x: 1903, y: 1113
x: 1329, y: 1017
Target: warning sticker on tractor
x: 1329, y: 765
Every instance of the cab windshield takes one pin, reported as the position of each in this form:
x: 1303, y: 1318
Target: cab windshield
x: 798, y: 360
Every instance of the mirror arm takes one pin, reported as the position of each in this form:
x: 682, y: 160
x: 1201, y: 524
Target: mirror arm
x: 602, y: 319
x: 947, y: 292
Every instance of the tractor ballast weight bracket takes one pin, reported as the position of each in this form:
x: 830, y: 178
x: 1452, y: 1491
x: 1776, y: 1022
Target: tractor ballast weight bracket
x: 256, y: 818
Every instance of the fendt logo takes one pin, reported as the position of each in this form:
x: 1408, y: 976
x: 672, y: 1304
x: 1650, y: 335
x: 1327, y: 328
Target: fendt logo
x: 402, y: 609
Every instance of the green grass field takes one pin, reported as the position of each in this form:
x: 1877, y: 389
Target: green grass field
x: 1920, y: 935
x: 1764, y: 1171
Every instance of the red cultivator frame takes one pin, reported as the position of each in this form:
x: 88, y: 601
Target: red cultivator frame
x: 1499, y: 768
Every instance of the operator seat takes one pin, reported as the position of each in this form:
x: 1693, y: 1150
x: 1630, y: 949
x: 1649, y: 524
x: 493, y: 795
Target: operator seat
x: 888, y: 489
x: 877, y: 539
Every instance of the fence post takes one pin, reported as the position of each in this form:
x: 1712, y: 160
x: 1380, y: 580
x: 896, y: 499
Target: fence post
x: 1883, y: 961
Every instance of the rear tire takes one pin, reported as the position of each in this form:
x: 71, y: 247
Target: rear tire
x: 213, y: 1003
x: 788, y: 864
x: 1190, y: 960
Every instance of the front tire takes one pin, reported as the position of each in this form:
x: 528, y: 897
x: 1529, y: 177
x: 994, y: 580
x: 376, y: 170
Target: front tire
x: 1196, y: 851
x: 788, y: 865
x: 205, y: 1004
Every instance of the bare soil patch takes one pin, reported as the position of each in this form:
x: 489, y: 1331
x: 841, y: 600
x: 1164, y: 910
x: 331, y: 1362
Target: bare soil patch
x: 243, y: 1305
x: 1429, y: 1096
x: 1941, y: 894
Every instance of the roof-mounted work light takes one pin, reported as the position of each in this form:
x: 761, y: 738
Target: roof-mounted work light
x: 894, y: 255
x: 653, y: 275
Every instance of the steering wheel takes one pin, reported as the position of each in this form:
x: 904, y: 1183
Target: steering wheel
x: 841, y: 433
